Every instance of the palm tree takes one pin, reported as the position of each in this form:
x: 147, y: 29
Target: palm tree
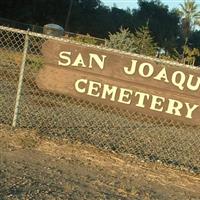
x: 190, y: 16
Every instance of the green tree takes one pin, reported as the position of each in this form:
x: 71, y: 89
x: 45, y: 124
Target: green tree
x: 140, y: 42
x: 144, y: 42
x: 162, y: 22
x: 92, y: 17
x: 190, y: 16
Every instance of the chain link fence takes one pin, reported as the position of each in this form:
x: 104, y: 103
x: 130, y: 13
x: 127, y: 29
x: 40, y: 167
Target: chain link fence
x: 24, y: 105
x: 39, y: 29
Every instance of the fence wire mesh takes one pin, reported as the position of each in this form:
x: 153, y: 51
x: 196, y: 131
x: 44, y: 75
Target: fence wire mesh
x: 105, y: 127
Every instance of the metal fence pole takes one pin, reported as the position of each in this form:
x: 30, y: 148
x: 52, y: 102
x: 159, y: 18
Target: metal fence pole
x: 21, y: 76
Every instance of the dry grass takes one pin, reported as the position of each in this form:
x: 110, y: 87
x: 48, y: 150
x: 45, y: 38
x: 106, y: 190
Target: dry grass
x: 133, y: 174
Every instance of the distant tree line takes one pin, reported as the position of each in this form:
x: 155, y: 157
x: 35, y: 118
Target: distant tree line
x: 170, y: 29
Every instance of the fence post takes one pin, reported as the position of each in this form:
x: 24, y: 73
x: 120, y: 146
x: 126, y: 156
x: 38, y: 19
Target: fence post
x: 21, y: 76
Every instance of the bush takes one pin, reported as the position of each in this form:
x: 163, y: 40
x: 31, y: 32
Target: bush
x: 122, y: 40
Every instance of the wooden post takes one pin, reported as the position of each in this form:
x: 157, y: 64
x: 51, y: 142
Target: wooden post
x: 21, y: 76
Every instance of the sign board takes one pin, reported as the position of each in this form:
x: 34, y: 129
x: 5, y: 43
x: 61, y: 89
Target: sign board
x: 121, y: 80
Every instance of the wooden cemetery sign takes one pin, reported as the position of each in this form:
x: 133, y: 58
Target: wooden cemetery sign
x: 121, y: 80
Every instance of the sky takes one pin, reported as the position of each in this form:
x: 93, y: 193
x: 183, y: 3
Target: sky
x: 133, y: 3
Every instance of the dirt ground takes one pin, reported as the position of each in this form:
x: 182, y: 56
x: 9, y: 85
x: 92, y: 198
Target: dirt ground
x: 32, y: 167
